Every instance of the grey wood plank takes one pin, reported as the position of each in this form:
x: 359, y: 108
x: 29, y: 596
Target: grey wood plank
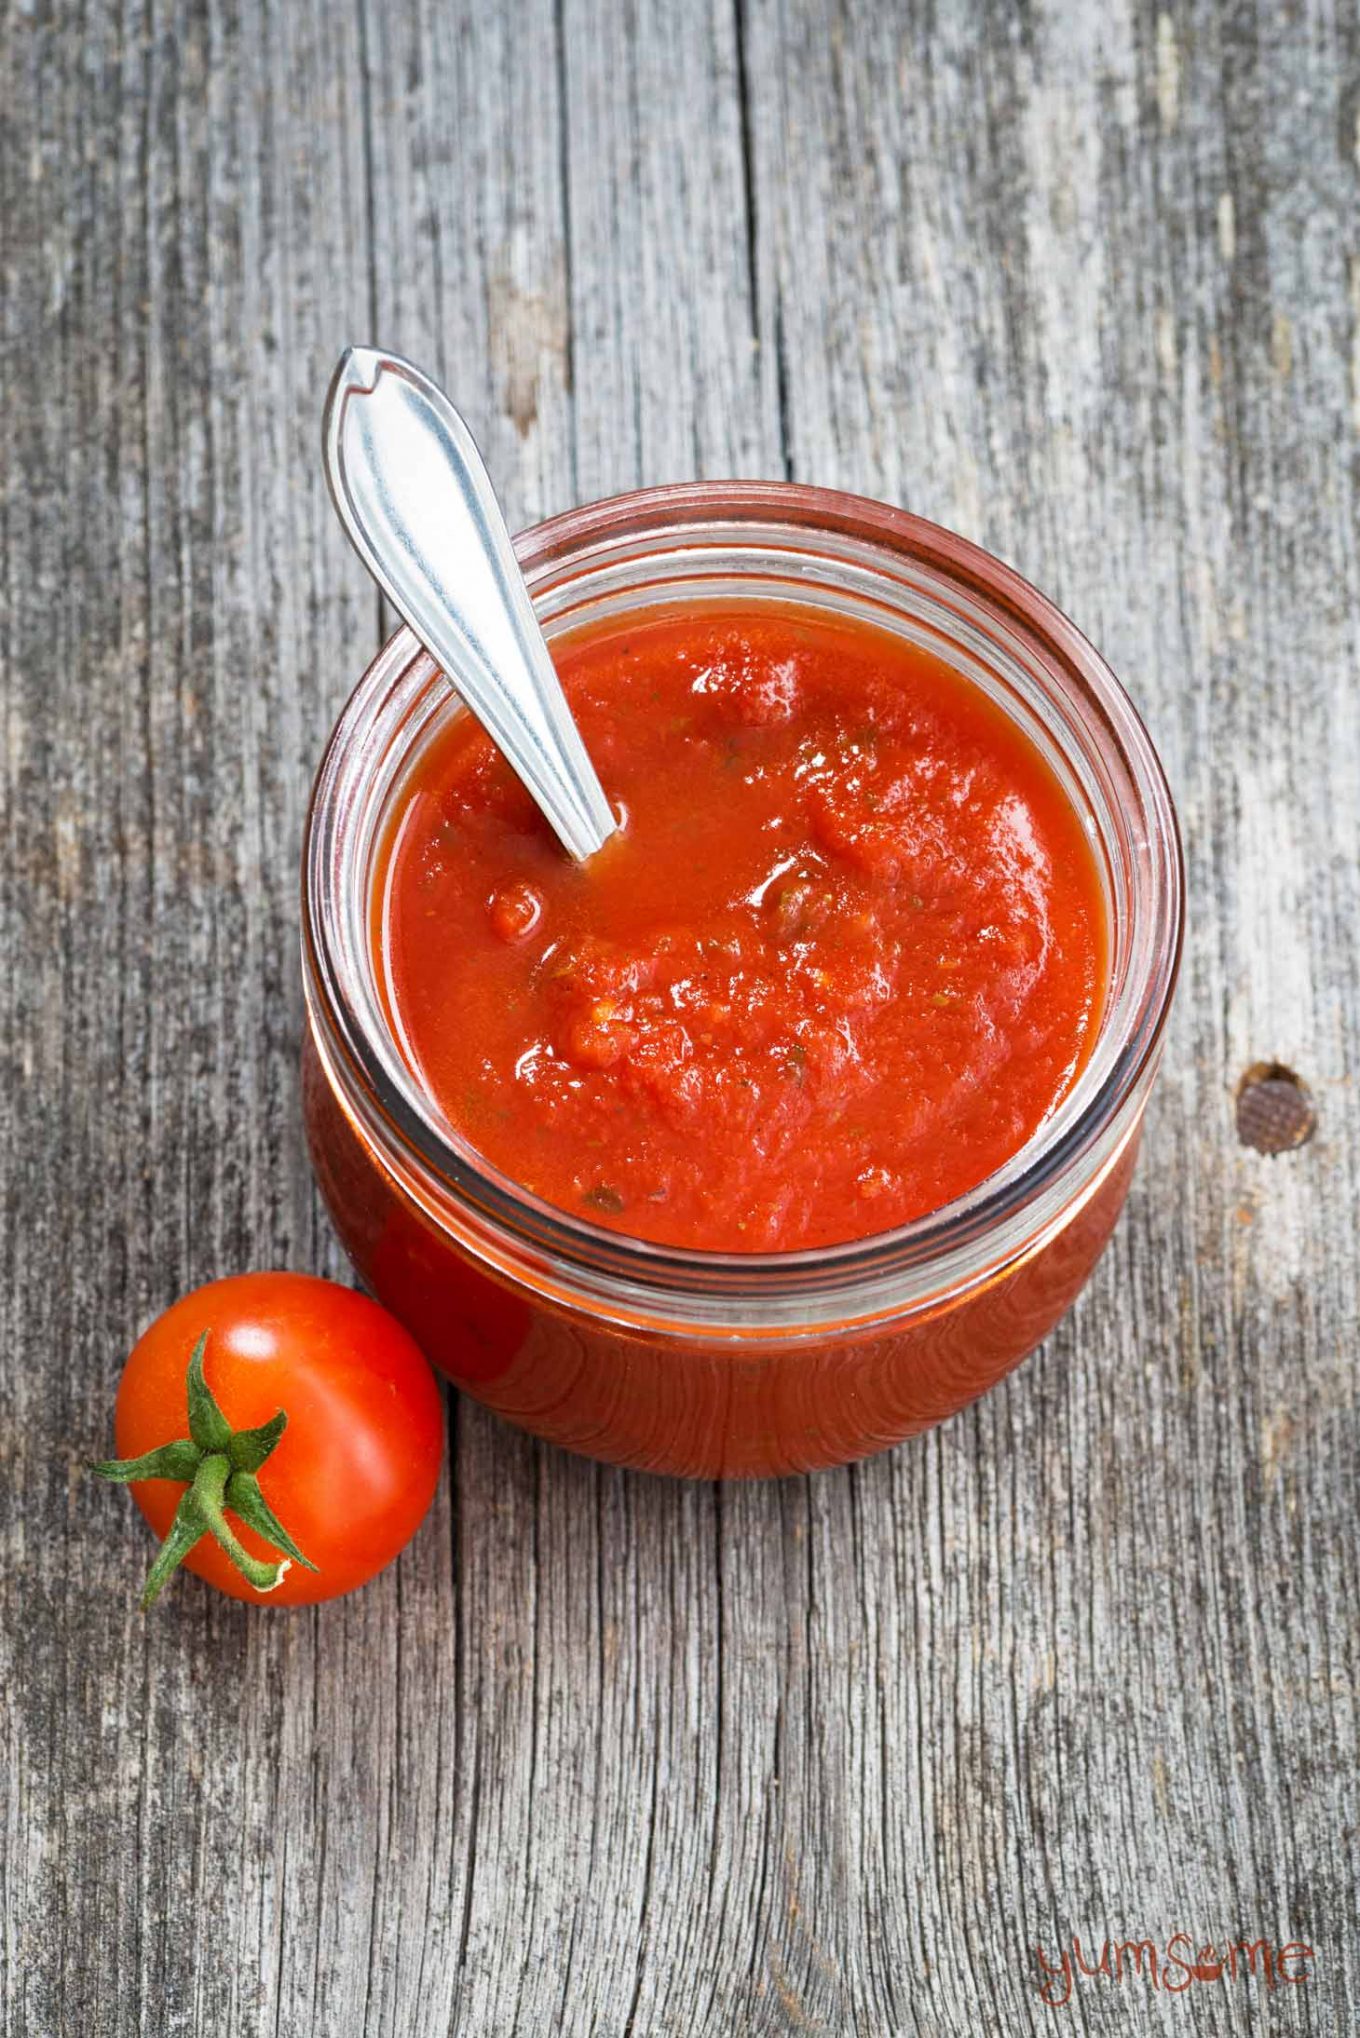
x: 558, y: 299
x: 668, y: 381
x: 603, y: 1753
x: 470, y: 276
x: 182, y: 238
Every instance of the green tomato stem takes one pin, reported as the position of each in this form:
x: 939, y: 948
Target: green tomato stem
x: 209, y: 1492
x: 185, y: 1530
x: 218, y: 1466
x: 208, y: 1426
x: 179, y: 1460
x: 249, y: 1448
x: 249, y: 1505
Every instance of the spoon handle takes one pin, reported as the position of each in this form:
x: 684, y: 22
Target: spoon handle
x: 417, y: 502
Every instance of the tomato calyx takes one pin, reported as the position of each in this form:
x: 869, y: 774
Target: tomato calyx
x: 217, y: 1465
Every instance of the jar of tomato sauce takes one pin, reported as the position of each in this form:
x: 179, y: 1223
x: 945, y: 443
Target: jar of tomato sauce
x: 720, y: 1363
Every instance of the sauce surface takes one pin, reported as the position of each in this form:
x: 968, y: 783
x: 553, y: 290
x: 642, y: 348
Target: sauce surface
x: 846, y: 956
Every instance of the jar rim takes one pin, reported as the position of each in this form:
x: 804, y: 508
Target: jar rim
x: 635, y: 1280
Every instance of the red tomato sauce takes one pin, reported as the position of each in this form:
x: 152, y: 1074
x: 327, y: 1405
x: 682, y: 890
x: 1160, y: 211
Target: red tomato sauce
x: 846, y: 956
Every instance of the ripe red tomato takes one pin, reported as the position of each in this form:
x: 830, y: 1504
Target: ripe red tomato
x: 352, y: 1473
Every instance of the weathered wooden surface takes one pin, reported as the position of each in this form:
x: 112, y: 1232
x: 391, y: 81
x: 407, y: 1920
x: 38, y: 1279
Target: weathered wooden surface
x: 603, y: 1754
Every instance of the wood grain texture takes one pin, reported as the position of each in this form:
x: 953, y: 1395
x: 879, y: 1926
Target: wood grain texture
x: 603, y: 1754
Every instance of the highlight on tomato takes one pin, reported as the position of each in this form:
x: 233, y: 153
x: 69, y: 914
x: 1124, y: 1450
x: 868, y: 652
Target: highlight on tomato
x: 281, y: 1434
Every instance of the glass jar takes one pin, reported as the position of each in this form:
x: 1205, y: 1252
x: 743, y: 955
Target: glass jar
x: 704, y: 1363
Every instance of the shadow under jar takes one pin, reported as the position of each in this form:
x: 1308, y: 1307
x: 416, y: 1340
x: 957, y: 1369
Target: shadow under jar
x: 736, y: 1364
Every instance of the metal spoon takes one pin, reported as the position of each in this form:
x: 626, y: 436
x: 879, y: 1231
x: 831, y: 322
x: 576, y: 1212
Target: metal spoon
x: 414, y: 496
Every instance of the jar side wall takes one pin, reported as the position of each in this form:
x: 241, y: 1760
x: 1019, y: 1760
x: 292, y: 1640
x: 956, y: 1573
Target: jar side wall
x: 687, y: 1406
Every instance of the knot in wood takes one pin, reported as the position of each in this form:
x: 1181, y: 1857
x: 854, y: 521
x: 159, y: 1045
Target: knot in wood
x: 1275, y: 1110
